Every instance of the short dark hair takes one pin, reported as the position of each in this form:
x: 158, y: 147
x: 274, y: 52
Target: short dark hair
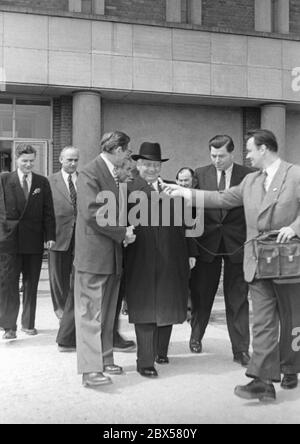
x: 113, y: 140
x: 185, y: 169
x: 24, y: 148
x: 222, y: 140
x: 263, y: 137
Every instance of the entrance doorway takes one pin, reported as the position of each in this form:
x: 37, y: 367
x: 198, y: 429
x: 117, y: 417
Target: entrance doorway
x: 25, y: 120
x: 5, y: 155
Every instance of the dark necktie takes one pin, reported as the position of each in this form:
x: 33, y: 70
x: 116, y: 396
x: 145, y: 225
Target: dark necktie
x: 222, y: 183
x: 25, y: 186
x: 222, y: 187
x: 73, y: 194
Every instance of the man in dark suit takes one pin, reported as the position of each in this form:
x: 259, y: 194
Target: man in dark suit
x: 222, y: 241
x: 98, y: 262
x: 27, y: 222
x: 61, y: 257
x: 157, y: 266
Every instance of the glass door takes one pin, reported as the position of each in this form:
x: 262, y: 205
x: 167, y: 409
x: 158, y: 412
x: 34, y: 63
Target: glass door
x: 5, y: 155
x: 41, y: 162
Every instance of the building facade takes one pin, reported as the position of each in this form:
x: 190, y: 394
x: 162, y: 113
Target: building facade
x: 176, y: 72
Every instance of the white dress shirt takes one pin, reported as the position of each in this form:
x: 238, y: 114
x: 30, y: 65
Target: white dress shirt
x: 66, y: 179
x: 28, y: 179
x: 228, y: 174
x: 271, y: 171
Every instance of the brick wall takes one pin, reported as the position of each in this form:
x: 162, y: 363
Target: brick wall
x: 295, y: 16
x: 62, y: 127
x: 41, y: 4
x: 137, y: 9
x: 234, y: 14
x: 251, y: 121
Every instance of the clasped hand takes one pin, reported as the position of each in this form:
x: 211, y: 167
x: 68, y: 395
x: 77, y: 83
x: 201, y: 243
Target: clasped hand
x: 285, y: 234
x: 129, y: 236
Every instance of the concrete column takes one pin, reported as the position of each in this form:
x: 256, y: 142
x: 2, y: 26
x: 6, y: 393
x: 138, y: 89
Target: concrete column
x: 195, y: 12
x: 173, y: 11
x: 273, y: 118
x: 282, y: 16
x: 86, y: 124
x: 75, y: 5
x: 99, y: 7
x: 263, y: 15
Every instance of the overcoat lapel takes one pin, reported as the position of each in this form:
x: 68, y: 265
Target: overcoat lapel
x: 212, y: 178
x: 108, y: 179
x: 235, y: 176
x: 34, y: 186
x: 18, y: 192
x: 61, y: 187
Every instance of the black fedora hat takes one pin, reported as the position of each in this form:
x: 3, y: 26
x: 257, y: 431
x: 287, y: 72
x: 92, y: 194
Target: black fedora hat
x: 149, y: 151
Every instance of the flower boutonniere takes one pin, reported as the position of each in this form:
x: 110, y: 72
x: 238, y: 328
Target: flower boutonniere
x: 36, y: 191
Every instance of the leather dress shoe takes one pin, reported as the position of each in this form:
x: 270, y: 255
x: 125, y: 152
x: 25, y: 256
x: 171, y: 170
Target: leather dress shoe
x: 257, y: 389
x: 195, y: 346
x: 30, y: 331
x: 66, y: 349
x: 9, y: 334
x: 122, y: 345
x: 113, y: 369
x: 162, y: 360
x: 289, y: 382
x: 242, y: 358
x: 148, y: 372
x: 95, y: 379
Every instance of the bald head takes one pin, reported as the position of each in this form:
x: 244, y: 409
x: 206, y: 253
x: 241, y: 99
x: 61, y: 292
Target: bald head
x: 69, y: 158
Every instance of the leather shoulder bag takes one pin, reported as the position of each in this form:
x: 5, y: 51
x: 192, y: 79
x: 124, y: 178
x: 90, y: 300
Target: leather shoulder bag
x: 277, y: 261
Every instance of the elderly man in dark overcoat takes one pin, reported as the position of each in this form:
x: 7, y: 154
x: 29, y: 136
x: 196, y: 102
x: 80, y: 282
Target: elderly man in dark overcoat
x: 156, y: 269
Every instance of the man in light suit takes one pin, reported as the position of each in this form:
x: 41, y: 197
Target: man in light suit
x: 27, y: 222
x: 98, y: 263
x: 61, y: 257
x: 271, y: 198
x: 222, y: 242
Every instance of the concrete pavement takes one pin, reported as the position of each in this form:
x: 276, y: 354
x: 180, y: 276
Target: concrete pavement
x: 40, y: 385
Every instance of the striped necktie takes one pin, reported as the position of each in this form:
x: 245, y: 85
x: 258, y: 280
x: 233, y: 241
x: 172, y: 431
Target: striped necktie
x: 73, y: 194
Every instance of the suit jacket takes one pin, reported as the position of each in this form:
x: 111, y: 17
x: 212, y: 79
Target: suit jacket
x: 64, y: 212
x: 279, y: 207
x: 26, y: 225
x: 229, y: 227
x: 98, y: 249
